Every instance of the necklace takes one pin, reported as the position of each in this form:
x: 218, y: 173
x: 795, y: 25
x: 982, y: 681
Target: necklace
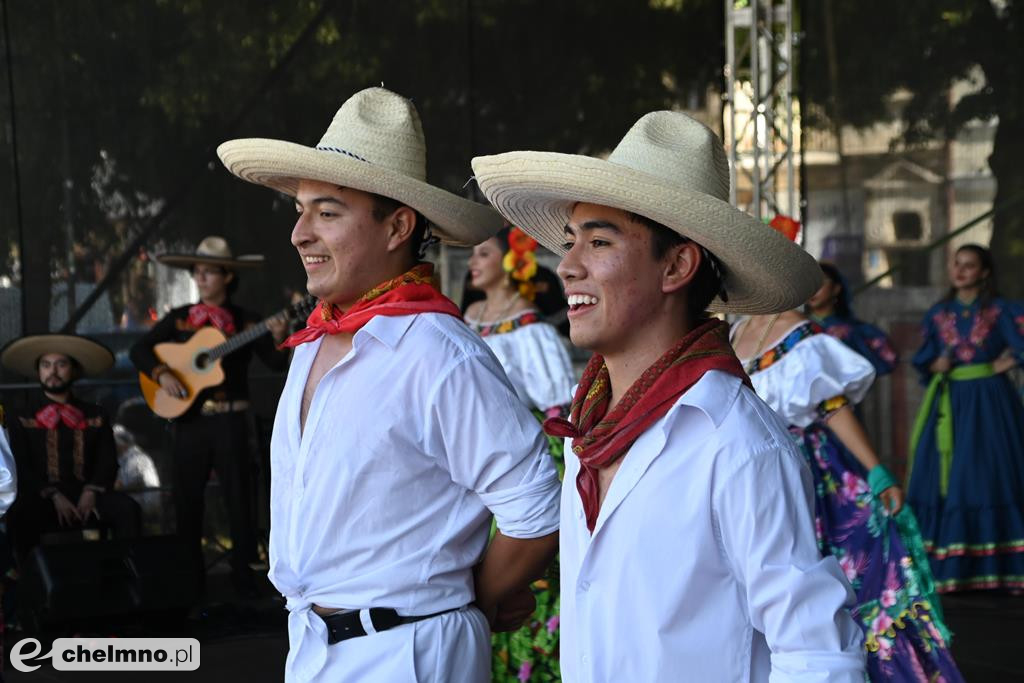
x: 504, y: 312
x: 764, y: 335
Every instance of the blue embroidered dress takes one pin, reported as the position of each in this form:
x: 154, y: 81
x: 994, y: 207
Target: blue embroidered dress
x: 971, y: 504
x: 864, y: 338
x: 805, y: 378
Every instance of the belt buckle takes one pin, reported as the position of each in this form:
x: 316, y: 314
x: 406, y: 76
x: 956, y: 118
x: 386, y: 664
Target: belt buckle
x: 209, y: 407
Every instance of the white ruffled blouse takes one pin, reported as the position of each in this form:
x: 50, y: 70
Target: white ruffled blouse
x: 534, y: 358
x: 804, y: 370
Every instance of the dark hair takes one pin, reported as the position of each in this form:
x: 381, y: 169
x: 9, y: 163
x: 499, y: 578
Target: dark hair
x: 231, y: 286
x: 842, y: 308
x: 706, y: 284
x: 385, y: 206
x: 989, y: 291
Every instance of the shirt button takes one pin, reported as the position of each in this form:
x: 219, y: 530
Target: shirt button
x: 584, y: 586
x: 585, y: 659
x: 579, y: 514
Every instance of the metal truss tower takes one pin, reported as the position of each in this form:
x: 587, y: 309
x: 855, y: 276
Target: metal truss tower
x: 759, y: 97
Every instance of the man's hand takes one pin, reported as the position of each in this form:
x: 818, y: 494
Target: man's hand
x: 170, y: 383
x: 67, y: 513
x: 514, y: 610
x: 87, y: 505
x: 278, y: 326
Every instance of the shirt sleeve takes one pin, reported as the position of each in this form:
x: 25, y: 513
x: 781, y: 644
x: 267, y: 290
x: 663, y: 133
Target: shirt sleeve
x: 794, y: 597
x: 1011, y: 327
x: 548, y: 370
x: 491, y: 444
x: 931, y: 346
x: 142, y: 354
x: 872, y: 343
x: 817, y: 369
x: 8, y: 476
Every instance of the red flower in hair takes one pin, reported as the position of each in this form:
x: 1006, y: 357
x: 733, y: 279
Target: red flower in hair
x: 787, y: 226
x: 520, y: 242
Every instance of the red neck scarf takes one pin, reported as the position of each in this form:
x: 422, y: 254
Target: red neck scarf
x: 409, y: 293
x: 202, y: 314
x: 52, y: 414
x: 599, y: 437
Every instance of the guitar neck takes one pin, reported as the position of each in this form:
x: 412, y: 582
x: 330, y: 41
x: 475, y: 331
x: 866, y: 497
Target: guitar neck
x: 239, y: 340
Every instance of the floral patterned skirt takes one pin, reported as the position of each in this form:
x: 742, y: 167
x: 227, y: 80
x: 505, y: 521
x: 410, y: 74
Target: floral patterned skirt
x: 531, y: 653
x: 884, y: 560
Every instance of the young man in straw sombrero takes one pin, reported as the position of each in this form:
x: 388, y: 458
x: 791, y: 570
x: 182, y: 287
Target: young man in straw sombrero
x: 63, y: 447
x: 687, y: 543
x: 213, y: 434
x: 397, y: 434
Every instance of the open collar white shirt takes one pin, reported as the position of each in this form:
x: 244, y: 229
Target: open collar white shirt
x: 411, y: 442
x: 703, y: 564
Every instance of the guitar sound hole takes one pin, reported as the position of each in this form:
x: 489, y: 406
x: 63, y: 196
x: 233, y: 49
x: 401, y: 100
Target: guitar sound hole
x: 202, y: 360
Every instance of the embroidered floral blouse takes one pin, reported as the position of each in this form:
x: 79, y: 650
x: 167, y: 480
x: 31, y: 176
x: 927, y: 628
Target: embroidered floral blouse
x: 970, y: 334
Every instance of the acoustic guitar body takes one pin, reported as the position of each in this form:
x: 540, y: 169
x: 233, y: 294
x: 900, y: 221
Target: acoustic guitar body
x: 191, y: 363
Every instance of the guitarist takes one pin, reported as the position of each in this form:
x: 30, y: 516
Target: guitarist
x: 213, y: 433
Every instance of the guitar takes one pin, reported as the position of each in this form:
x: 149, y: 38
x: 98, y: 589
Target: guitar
x: 196, y: 362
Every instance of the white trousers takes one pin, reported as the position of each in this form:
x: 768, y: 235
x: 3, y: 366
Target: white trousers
x: 451, y: 648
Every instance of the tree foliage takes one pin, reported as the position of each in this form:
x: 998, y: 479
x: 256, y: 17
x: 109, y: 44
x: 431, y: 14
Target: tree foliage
x: 126, y: 100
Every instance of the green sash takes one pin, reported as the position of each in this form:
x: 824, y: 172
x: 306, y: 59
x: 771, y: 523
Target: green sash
x: 938, y: 388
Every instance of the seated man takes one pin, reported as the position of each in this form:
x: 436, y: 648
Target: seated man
x: 63, y: 447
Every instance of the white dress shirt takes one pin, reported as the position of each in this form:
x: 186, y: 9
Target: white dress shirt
x: 411, y: 442
x: 703, y: 564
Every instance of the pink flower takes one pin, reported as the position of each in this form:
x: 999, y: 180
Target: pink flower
x: 553, y: 624
x: 853, y: 486
x: 849, y: 567
x: 525, y: 669
x: 882, y: 623
x: 884, y: 648
x: 965, y: 353
x: 888, y: 598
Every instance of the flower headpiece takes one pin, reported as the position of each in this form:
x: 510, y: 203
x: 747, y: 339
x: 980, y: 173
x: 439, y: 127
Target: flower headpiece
x: 520, y: 262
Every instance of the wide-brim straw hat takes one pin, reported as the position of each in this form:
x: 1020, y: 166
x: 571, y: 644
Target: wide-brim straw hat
x: 668, y: 168
x: 375, y: 144
x: 213, y: 250
x: 21, y: 355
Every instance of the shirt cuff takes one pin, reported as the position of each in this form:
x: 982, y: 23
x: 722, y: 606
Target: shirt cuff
x: 529, y: 510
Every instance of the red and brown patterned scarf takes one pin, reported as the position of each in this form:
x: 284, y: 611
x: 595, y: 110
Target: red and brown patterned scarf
x: 409, y: 293
x: 600, y: 437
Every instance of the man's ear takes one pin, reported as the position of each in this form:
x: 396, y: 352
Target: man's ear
x: 680, y: 267
x: 400, y: 226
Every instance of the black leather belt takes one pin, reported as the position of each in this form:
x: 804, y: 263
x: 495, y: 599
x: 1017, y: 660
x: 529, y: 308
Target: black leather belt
x: 344, y: 625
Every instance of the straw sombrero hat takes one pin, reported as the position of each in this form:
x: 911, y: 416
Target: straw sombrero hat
x: 375, y: 144
x: 214, y: 251
x: 670, y: 169
x: 22, y: 354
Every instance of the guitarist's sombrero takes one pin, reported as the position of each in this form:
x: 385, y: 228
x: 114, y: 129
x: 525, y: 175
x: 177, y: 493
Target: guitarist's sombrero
x: 214, y: 251
x: 21, y: 355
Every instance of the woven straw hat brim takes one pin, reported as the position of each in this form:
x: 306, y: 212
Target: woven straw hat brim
x: 189, y: 260
x: 280, y: 165
x: 764, y: 272
x: 21, y: 355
